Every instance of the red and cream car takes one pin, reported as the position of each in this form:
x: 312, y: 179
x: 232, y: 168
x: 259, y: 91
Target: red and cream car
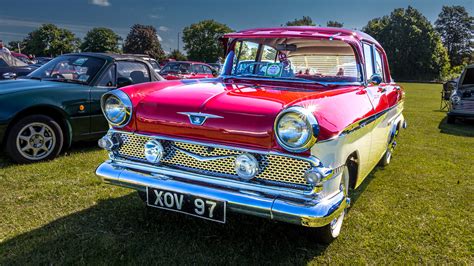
x: 298, y: 117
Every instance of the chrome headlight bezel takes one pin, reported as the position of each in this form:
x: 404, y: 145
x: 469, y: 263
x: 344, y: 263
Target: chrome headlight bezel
x: 123, y: 98
x: 311, y: 123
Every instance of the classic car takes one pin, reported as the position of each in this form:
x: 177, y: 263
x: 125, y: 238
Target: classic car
x: 11, y: 67
x: 59, y: 103
x: 462, y: 97
x: 285, y: 137
x: 187, y: 70
x: 22, y: 57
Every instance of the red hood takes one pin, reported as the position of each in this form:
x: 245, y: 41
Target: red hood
x: 248, y: 111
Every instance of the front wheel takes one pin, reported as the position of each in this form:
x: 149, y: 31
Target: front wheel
x: 451, y: 119
x: 328, y: 233
x: 34, y: 138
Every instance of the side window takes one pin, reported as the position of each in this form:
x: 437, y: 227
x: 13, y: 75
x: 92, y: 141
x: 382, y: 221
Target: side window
x: 369, y: 66
x: 207, y: 69
x: 108, y: 79
x: 379, y: 64
x: 198, y: 69
x: 137, y: 72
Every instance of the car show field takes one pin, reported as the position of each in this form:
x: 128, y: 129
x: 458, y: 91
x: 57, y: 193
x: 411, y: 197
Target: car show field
x: 417, y: 210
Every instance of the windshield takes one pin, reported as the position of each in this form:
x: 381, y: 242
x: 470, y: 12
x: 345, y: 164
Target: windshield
x: 9, y: 60
x: 175, y: 67
x: 69, y: 68
x: 295, y: 59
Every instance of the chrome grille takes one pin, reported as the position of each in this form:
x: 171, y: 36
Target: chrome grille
x: 272, y: 167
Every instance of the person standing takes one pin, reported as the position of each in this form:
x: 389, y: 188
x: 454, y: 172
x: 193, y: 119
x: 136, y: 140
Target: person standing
x: 4, y: 49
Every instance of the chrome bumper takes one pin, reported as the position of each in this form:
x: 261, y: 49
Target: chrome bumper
x: 263, y: 201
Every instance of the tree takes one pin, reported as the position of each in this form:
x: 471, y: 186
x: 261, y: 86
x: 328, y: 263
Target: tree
x: 143, y: 39
x: 454, y: 26
x: 335, y: 24
x: 304, y: 21
x: 201, y: 40
x: 414, y: 49
x: 13, y: 45
x: 49, y: 40
x: 101, y: 40
x: 177, y: 55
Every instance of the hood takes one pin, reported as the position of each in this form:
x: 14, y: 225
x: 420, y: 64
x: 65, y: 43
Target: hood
x: 238, y: 113
x: 21, y: 85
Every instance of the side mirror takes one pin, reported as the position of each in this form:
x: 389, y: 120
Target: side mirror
x: 9, y: 75
x: 122, y: 82
x: 215, y: 73
x: 376, y: 79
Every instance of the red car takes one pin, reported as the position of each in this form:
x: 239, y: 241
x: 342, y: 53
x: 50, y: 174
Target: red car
x: 187, y: 70
x: 298, y: 118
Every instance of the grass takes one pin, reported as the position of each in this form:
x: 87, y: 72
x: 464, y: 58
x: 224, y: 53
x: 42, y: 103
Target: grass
x: 417, y: 210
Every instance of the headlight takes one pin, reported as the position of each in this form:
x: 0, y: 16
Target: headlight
x: 296, y: 129
x: 117, y: 108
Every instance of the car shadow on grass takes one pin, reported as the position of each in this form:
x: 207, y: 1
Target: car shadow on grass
x: 123, y: 230
x: 462, y: 127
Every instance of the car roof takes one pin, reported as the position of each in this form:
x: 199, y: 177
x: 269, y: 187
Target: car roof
x: 187, y: 62
x: 109, y: 56
x: 302, y: 31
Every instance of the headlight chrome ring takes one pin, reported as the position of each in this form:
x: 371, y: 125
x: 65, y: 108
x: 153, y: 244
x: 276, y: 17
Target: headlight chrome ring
x: 311, y: 125
x: 117, y: 108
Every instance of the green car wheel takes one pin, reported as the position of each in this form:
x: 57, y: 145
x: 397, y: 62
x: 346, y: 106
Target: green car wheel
x: 34, y: 138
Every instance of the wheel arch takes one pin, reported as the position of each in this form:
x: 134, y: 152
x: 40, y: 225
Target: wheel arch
x: 352, y: 163
x: 49, y: 110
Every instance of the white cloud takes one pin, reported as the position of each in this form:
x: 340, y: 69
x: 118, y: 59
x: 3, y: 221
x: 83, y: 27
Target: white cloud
x: 163, y: 28
x: 154, y: 16
x: 100, y: 2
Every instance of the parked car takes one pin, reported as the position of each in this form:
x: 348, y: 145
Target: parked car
x: 187, y: 70
x: 22, y: 57
x: 216, y: 66
x: 262, y: 139
x: 462, y: 97
x: 11, y: 67
x: 43, y: 60
x: 150, y: 60
x: 59, y: 103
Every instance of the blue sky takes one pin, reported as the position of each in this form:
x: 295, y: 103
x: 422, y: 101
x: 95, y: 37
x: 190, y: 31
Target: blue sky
x: 19, y: 17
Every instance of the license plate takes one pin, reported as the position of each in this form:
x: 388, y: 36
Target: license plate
x: 198, y: 206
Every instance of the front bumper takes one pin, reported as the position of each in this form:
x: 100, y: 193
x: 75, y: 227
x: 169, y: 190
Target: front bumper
x: 263, y: 201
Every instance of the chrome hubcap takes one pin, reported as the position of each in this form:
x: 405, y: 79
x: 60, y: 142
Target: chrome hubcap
x: 36, y: 141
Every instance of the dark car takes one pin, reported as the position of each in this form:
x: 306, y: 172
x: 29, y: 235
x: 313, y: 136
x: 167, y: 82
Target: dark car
x: 462, y: 97
x: 11, y: 67
x: 59, y: 103
x: 42, y: 60
x: 187, y: 70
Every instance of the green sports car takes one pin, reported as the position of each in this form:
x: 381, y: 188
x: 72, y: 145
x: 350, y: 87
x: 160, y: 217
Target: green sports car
x: 59, y: 103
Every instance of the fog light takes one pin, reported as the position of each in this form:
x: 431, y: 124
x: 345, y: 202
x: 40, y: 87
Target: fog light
x: 246, y: 166
x: 154, y: 151
x: 108, y: 143
x: 313, y: 177
x: 456, y: 99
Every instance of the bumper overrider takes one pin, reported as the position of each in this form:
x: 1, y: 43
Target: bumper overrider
x: 313, y: 209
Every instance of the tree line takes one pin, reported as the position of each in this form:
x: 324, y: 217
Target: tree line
x: 416, y: 49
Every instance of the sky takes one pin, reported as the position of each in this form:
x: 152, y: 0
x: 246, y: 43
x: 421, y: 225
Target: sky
x: 169, y: 17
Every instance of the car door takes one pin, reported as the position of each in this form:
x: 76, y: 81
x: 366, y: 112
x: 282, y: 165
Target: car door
x: 378, y: 98
x: 134, y: 71
x: 198, y: 71
x: 392, y: 91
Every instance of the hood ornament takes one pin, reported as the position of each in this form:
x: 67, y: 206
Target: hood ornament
x: 198, y: 119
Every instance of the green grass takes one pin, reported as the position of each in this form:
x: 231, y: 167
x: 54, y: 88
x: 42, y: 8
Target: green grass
x: 418, y: 210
